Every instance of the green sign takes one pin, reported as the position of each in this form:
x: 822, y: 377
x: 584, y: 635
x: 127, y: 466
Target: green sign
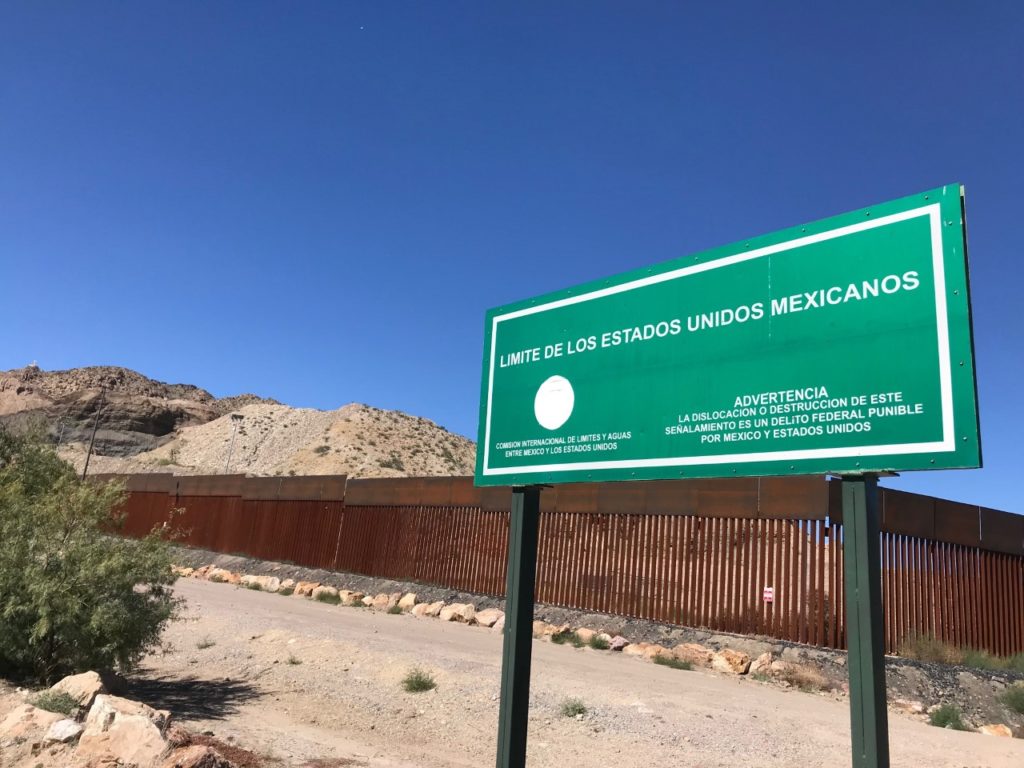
x: 841, y: 346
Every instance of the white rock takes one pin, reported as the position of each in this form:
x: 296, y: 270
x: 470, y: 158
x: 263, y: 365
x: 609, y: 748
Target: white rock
x: 408, y: 601
x: 64, y: 731
x: 124, y: 730
x: 488, y: 617
x: 461, y: 612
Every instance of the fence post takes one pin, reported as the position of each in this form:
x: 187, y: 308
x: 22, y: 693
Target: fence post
x: 869, y: 724
x: 515, y: 658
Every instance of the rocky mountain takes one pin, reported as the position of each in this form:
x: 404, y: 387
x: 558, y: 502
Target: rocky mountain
x: 150, y: 426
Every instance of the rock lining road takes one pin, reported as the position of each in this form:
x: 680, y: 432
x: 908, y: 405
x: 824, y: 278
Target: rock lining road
x: 343, y: 698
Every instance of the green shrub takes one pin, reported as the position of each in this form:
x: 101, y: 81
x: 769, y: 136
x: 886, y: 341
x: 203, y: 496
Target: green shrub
x: 54, y: 701
x: 322, y: 450
x: 294, y: 660
x: 671, y: 661
x: 205, y: 643
x: 395, y: 610
x: 253, y: 585
x: 73, y: 597
x: 573, y: 708
x: 948, y: 716
x: 598, y: 643
x: 565, y: 636
x: 1013, y: 698
x: 327, y: 597
x: 418, y: 681
x: 286, y: 591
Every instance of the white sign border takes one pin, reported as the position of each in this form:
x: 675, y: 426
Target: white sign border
x: 947, y: 444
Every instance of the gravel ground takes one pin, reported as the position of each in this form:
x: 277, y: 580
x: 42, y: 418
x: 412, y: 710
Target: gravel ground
x: 976, y: 692
x: 299, y: 680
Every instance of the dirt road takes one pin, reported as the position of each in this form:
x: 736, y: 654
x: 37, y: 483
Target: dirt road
x: 296, y: 679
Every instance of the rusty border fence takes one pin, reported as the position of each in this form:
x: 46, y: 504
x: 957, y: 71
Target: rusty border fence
x: 697, y: 553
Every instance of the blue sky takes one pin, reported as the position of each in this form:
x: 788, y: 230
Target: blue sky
x: 317, y: 202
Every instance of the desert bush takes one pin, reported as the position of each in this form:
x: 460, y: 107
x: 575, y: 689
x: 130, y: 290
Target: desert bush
x: 948, y: 716
x: 665, y: 660
x: 598, y: 643
x: 804, y: 678
x: 1013, y: 698
x: 567, y: 636
x: 73, y: 596
x: 417, y: 681
x: 573, y: 708
x: 929, y: 648
x: 56, y: 701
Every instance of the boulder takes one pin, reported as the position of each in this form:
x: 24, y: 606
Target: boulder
x: 586, y: 635
x: 183, y: 572
x: 731, y: 662
x: 82, y: 688
x: 367, y: 600
x: 286, y: 585
x: 393, y: 600
x: 542, y: 629
x: 196, y: 756
x: 323, y: 591
x: 694, y: 653
x: 653, y: 651
x: 305, y: 588
x: 762, y: 664
x: 420, y: 610
x: 223, y: 576
x: 250, y: 582
x: 434, y: 609
x: 636, y: 649
x: 618, y: 643
x: 489, y: 617
x: 380, y: 602
x: 407, y: 602
x: 26, y: 720
x: 269, y: 583
x: 996, y: 729
x: 348, y: 597
x: 461, y: 612
x: 118, y: 729
x: 499, y: 625
x: 63, y: 731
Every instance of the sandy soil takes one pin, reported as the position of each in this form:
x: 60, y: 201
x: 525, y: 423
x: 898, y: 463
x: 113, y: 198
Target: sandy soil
x: 296, y: 679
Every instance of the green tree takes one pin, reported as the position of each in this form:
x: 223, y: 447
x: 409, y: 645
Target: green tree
x: 73, y: 594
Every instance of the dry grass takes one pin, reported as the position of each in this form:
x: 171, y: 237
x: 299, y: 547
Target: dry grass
x: 929, y: 648
x: 804, y: 678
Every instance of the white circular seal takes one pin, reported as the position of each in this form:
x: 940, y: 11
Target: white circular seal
x: 554, y: 401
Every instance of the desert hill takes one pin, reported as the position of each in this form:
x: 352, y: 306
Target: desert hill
x: 150, y: 426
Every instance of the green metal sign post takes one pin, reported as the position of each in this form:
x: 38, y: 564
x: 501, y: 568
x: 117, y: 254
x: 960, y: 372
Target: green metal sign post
x: 517, y: 650
x: 869, y: 724
x: 843, y: 347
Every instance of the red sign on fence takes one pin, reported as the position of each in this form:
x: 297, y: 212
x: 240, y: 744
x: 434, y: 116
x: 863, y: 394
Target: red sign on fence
x: 769, y: 594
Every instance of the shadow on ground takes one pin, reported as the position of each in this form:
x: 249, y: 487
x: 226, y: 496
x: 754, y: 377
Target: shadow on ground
x: 191, y: 698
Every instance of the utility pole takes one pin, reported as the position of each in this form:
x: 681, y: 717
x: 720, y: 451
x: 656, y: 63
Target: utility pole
x: 235, y: 418
x: 92, y: 439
